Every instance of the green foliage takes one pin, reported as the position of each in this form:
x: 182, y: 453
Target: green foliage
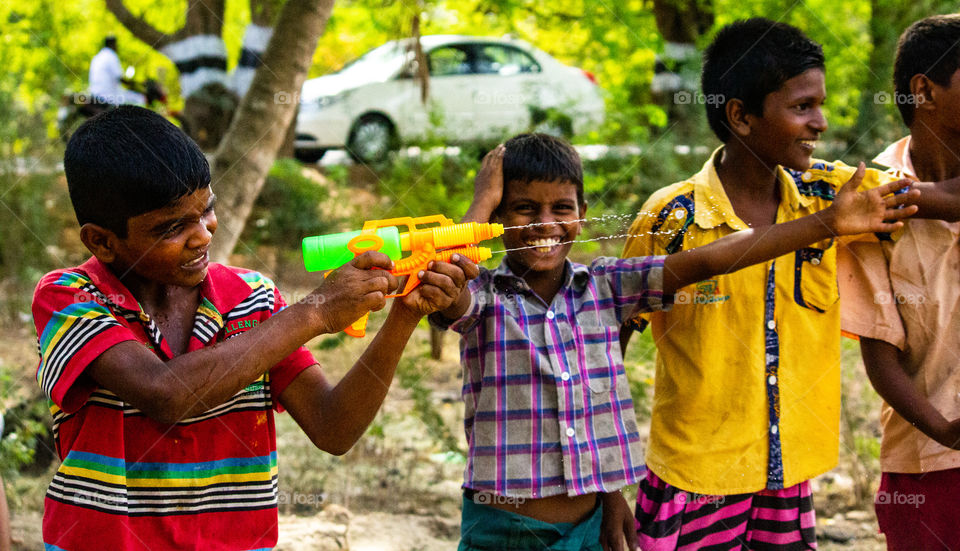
x: 288, y: 208
x: 413, y: 377
x: 25, y: 431
x: 639, y: 362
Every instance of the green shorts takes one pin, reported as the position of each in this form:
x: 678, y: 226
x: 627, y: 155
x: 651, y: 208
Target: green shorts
x: 484, y: 528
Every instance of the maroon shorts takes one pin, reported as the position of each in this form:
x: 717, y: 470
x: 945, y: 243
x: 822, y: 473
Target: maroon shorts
x: 920, y: 511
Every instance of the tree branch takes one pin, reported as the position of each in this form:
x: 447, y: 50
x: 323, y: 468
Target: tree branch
x: 138, y: 26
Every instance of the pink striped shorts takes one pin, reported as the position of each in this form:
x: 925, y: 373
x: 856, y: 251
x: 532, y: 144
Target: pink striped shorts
x: 669, y: 518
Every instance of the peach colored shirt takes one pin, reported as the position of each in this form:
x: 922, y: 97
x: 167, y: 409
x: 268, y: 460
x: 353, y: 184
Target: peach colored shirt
x: 907, y: 292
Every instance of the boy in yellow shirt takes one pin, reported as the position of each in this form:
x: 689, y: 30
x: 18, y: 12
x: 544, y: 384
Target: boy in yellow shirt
x: 746, y: 407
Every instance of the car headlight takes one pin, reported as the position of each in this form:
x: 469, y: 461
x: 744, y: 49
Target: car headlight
x: 327, y: 101
x: 320, y: 103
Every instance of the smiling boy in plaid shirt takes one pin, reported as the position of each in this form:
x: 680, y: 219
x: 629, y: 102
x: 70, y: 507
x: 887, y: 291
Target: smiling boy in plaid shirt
x: 548, y: 416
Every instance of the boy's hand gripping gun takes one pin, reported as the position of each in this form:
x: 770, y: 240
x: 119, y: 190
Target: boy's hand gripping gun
x: 440, y: 242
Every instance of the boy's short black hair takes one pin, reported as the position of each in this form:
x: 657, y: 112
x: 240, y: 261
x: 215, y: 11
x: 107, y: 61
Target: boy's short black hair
x: 929, y: 47
x: 128, y: 161
x: 541, y: 158
x: 749, y: 59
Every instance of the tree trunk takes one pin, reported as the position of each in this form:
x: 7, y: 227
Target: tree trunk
x: 683, y: 21
x: 877, y: 115
x: 199, y: 53
x: 245, y: 154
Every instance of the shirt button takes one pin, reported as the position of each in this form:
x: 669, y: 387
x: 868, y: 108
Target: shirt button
x: 771, y: 324
x: 774, y: 429
x: 571, y: 432
x: 550, y: 314
x: 565, y: 376
x: 815, y: 261
x: 772, y: 379
x: 806, y: 176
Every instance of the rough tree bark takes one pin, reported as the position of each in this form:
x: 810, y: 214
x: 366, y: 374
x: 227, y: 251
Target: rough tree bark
x: 198, y: 51
x: 244, y: 156
x: 680, y: 23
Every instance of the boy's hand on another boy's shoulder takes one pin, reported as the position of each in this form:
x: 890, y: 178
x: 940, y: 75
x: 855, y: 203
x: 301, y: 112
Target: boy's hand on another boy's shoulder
x: 873, y: 210
x: 440, y: 285
x: 351, y: 291
x: 618, y: 523
x: 487, y: 187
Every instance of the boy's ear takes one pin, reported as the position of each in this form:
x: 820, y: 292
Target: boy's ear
x: 737, y: 117
x: 922, y: 93
x: 100, y: 241
x: 583, y: 213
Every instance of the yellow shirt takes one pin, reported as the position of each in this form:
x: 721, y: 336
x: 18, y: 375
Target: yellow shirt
x: 747, y: 387
x: 906, y: 291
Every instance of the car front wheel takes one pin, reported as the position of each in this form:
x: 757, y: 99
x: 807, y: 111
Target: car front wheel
x: 373, y: 137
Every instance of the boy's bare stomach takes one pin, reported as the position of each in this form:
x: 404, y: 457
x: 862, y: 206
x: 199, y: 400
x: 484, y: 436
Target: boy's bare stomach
x: 553, y: 509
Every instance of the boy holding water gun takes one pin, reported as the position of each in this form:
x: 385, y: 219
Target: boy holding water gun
x: 164, y: 369
x: 550, y: 426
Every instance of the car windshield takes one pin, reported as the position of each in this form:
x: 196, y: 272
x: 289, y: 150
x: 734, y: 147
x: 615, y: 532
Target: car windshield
x: 379, y: 63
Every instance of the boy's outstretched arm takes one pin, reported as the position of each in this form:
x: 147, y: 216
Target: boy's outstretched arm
x: 892, y: 383
x: 939, y: 200
x: 335, y: 417
x: 851, y: 213
x: 487, y: 193
x: 192, y: 383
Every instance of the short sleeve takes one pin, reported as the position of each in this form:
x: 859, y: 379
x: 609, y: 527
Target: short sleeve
x: 282, y: 374
x: 636, y: 284
x: 479, y: 289
x: 73, y: 329
x: 867, y: 304
x: 655, y: 230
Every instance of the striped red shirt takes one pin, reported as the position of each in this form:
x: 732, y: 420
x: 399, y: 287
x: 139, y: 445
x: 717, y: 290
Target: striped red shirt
x: 127, y: 481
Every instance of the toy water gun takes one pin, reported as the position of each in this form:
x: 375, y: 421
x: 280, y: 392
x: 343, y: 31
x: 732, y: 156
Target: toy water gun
x: 437, y: 242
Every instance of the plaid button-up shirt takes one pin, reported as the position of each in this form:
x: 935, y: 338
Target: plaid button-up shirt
x: 548, y: 408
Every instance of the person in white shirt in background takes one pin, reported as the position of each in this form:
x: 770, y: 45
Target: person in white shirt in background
x: 106, y: 76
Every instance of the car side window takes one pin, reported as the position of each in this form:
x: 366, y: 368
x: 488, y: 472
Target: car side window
x: 449, y: 61
x: 504, y: 60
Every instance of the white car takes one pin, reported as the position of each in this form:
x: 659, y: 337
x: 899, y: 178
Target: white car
x: 480, y: 89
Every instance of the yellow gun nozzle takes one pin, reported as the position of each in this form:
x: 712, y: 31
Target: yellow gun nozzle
x: 453, y: 235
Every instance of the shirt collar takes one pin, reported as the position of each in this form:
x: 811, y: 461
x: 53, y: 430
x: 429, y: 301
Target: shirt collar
x: 712, y: 207
x: 223, y: 288
x: 575, y: 276
x: 897, y: 157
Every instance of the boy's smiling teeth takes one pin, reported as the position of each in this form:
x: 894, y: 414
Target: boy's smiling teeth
x: 811, y: 143
x: 195, y: 261
x: 543, y: 245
